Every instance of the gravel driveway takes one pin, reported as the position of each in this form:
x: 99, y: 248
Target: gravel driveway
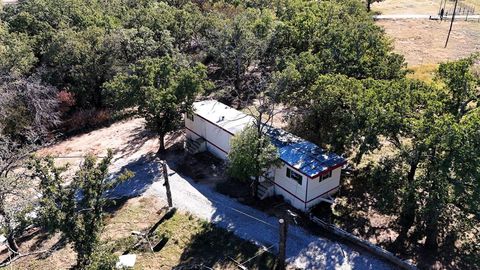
x: 304, y: 250
x: 135, y: 149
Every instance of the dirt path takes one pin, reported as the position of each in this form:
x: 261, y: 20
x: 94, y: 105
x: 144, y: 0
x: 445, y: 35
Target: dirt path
x: 135, y: 148
x: 473, y: 18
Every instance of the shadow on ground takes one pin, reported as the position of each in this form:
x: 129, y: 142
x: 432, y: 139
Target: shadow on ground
x: 146, y: 171
x: 226, y: 252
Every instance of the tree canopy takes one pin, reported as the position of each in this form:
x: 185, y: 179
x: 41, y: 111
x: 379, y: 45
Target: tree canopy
x: 76, y: 209
x: 162, y: 89
x: 431, y: 132
x: 251, y: 155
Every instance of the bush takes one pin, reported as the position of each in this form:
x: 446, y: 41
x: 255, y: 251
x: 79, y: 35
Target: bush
x: 87, y: 119
x: 103, y: 260
x: 66, y: 100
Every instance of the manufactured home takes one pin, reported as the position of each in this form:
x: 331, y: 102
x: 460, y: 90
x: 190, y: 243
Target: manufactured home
x: 307, y: 175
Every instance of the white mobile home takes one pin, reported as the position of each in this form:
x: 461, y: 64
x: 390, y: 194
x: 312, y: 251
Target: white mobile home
x: 308, y: 174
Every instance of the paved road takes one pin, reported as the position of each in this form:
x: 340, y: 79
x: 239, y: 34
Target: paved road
x: 304, y: 250
x: 8, y: 1
x: 421, y: 17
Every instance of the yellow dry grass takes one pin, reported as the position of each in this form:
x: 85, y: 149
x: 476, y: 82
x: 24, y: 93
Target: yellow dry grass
x: 424, y: 72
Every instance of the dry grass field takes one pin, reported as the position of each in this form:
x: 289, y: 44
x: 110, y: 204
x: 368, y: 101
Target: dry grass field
x: 422, y: 41
x: 192, y: 244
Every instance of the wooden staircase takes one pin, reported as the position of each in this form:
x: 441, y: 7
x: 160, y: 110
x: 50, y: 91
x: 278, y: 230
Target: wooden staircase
x: 194, y: 146
x: 265, y: 189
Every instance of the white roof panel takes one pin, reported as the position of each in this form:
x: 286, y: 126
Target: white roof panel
x: 222, y: 115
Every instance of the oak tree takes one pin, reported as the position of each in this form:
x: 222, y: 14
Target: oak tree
x: 161, y: 90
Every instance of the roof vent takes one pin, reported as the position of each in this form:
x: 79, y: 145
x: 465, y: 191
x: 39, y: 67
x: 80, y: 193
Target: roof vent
x: 221, y: 118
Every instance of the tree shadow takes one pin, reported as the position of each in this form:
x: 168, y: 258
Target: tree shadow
x: 146, y: 171
x: 227, y: 250
x: 135, y: 141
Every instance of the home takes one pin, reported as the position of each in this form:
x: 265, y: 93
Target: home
x: 307, y: 175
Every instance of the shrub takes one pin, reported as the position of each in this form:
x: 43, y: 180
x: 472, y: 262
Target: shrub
x: 66, y: 100
x: 87, y: 119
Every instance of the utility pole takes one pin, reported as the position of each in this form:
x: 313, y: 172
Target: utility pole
x: 451, y: 23
x: 440, y: 9
x: 167, y: 184
x: 282, y: 244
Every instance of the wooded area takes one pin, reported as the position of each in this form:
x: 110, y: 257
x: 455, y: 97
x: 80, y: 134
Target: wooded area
x: 71, y: 65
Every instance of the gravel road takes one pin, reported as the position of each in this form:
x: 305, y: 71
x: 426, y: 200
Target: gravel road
x: 304, y: 250
x: 134, y: 150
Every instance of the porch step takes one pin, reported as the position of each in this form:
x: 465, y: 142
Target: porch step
x: 263, y: 189
x: 193, y: 146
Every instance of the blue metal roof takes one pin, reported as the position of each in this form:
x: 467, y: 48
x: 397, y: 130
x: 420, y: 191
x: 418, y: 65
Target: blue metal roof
x: 301, y: 154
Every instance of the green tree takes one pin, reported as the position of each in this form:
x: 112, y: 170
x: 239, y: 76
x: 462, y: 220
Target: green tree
x: 161, y: 89
x: 325, y: 37
x: 239, y: 46
x: 251, y: 155
x: 16, y: 53
x: 431, y: 135
x: 77, y: 208
x: 370, y: 2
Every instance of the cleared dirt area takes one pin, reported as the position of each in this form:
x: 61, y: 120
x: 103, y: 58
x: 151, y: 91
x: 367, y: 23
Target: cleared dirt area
x: 422, y: 41
x: 128, y: 139
x: 135, y: 150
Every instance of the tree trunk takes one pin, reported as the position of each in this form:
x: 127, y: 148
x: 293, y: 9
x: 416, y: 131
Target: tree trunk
x: 257, y: 155
x: 431, y: 242
x: 435, y: 207
x: 161, y: 149
x: 255, y: 183
x: 12, y: 243
x: 369, y: 3
x: 407, y: 216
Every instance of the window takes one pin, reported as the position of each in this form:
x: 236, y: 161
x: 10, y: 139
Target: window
x: 295, y: 176
x: 325, y: 176
x: 190, y: 116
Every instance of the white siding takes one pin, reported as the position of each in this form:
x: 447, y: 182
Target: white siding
x: 283, y: 182
x: 317, y: 188
x: 294, y: 193
x: 217, y: 138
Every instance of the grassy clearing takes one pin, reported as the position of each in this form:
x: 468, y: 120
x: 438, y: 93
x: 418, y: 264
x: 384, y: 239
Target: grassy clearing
x: 192, y: 242
x: 424, y: 72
